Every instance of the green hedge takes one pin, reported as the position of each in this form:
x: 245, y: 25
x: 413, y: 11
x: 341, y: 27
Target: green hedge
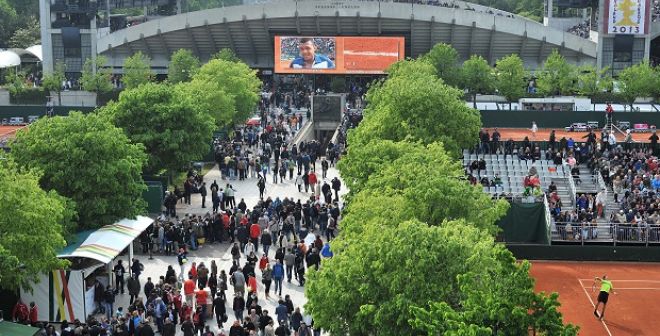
x: 29, y: 97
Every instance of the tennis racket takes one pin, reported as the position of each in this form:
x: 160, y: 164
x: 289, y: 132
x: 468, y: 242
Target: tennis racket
x: 593, y: 287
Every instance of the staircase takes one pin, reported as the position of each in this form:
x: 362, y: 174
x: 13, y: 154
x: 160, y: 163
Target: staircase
x: 563, y: 191
x: 588, y: 183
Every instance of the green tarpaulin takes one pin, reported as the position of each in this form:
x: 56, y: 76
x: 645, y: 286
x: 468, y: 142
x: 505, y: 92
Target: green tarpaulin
x: 15, y: 329
x: 525, y: 223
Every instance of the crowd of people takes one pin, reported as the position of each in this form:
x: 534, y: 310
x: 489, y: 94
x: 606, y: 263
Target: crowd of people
x: 582, y: 29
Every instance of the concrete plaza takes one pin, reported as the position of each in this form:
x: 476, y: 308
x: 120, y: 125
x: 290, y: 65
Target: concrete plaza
x: 247, y: 190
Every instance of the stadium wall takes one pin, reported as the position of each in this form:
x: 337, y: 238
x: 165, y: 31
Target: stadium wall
x: 560, y: 119
x: 38, y: 110
x: 585, y: 253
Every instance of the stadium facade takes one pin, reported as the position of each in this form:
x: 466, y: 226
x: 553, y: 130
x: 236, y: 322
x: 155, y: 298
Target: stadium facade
x: 75, y: 30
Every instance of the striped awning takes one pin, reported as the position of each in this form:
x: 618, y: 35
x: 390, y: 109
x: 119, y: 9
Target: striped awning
x: 107, y: 242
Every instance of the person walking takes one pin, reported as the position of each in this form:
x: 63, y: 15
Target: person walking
x: 203, y: 193
x: 133, y: 285
x: 278, y: 276
x: 119, y: 271
x: 267, y: 279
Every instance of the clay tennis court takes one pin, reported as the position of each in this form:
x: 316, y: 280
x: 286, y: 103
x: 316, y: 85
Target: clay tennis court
x: 518, y: 134
x: 633, y: 310
x: 8, y: 131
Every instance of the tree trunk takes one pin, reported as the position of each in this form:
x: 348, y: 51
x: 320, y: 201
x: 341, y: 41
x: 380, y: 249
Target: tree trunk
x: 474, y: 100
x: 59, y: 98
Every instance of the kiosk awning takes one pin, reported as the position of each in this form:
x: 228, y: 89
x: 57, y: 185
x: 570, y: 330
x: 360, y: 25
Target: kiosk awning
x: 107, y: 242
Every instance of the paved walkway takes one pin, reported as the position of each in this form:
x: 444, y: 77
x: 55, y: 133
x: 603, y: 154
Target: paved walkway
x: 247, y: 190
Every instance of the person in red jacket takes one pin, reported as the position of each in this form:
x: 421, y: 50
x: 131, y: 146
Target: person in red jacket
x: 312, y: 180
x: 34, y: 313
x: 20, y: 313
x: 255, y: 233
x: 189, y: 290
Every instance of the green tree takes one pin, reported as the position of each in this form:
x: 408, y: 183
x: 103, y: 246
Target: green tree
x: 169, y: 124
x: 95, y: 77
x: 226, y: 54
x: 237, y: 80
x: 392, y: 169
x: 637, y: 81
x: 511, y: 77
x: 477, y: 77
x: 592, y: 82
x: 87, y: 159
x: 8, y: 21
x: 557, y: 77
x: 370, y: 283
x: 28, y: 35
x: 182, y: 66
x: 211, y: 100
x: 31, y: 220
x: 445, y: 60
x: 53, y: 81
x: 410, y: 104
x: 137, y: 70
x: 497, y: 300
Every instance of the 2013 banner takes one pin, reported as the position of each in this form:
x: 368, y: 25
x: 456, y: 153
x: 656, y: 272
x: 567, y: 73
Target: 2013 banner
x: 628, y: 17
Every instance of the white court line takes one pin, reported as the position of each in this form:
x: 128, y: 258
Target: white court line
x: 593, y: 305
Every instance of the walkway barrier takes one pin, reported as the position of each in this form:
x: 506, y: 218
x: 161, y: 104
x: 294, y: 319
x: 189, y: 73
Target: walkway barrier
x: 601, y: 233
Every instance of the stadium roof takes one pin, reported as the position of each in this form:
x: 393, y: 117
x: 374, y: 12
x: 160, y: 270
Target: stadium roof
x: 249, y: 30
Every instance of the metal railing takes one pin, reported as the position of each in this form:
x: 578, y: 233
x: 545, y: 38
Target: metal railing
x: 614, y: 233
x: 548, y: 218
x: 571, y: 183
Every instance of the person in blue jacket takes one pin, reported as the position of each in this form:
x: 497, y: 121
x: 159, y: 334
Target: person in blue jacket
x: 308, y: 58
x: 278, y: 276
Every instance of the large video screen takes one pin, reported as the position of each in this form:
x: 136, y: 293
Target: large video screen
x: 337, y: 54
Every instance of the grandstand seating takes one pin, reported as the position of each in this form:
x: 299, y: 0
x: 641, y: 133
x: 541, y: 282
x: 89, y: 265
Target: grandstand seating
x: 512, y: 171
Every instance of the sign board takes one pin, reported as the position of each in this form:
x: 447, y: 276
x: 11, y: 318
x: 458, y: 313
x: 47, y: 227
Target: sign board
x: 337, y: 54
x: 630, y: 17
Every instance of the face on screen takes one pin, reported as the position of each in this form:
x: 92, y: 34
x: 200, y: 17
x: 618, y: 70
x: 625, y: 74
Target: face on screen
x: 307, y: 50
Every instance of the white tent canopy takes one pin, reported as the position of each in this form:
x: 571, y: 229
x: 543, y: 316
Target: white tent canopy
x: 9, y: 59
x: 36, y: 51
x: 109, y: 241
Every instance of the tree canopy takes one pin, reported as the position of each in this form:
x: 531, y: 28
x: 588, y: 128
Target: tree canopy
x: 236, y: 80
x: 90, y: 161
x: 639, y: 80
x: 445, y: 60
x: 382, y: 169
x: 410, y: 104
x: 166, y: 121
x: 95, y: 77
x: 477, y: 77
x: 183, y: 66
x: 498, y: 299
x: 31, y: 221
x: 510, y: 77
x: 137, y: 70
x: 370, y: 283
x: 557, y: 77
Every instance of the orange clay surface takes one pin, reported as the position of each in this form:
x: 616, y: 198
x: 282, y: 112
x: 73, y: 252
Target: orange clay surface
x: 633, y: 310
x: 518, y: 134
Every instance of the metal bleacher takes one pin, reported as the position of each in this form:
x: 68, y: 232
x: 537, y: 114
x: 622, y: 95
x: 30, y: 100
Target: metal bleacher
x: 513, y: 170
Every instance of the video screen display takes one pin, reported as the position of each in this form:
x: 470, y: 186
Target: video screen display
x: 337, y: 54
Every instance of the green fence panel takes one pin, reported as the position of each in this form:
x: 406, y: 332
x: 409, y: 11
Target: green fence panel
x: 154, y: 197
x: 525, y: 223
x: 560, y: 119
